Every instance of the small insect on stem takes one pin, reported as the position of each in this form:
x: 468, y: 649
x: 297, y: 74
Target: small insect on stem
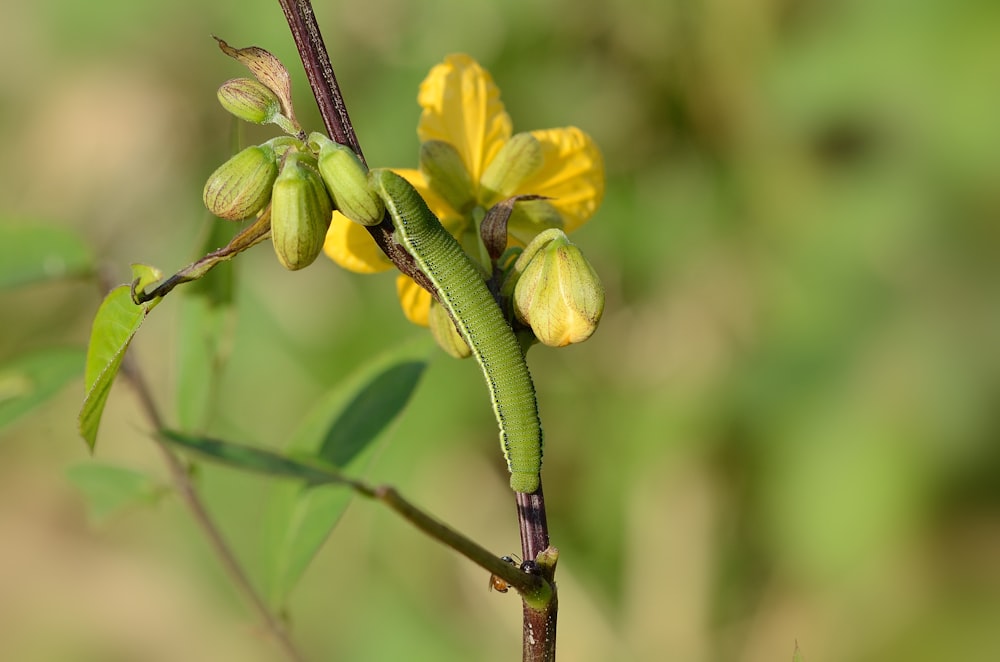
x: 497, y: 583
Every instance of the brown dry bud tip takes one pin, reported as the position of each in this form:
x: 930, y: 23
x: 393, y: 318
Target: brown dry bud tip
x: 241, y: 186
x: 300, y: 212
x: 558, y: 293
x: 249, y: 99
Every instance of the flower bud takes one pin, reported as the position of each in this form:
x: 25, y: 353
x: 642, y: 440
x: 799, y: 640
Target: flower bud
x: 346, y: 179
x: 518, y: 159
x: 249, y: 99
x: 447, y: 336
x: 241, y: 186
x: 447, y: 174
x: 557, y: 293
x: 300, y: 212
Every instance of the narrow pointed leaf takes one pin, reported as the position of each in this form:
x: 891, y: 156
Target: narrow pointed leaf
x: 109, y: 490
x: 254, y: 460
x: 29, y: 380
x: 340, y: 430
x: 30, y: 253
x: 115, y: 325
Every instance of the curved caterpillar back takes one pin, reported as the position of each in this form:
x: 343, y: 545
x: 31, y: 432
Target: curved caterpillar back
x: 464, y: 294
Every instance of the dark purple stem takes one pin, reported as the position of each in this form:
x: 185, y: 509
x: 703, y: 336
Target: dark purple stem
x: 539, y: 625
x: 319, y: 71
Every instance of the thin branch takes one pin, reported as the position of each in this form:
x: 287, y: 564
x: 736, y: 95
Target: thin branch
x: 538, y: 624
x: 529, y: 581
x: 319, y: 71
x: 188, y: 494
x: 539, y: 618
x: 533, y: 524
x: 253, y: 235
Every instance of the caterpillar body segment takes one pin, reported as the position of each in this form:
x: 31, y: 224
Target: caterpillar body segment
x: 464, y: 294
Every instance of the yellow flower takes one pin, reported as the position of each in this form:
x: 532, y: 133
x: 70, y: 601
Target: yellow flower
x: 462, y: 108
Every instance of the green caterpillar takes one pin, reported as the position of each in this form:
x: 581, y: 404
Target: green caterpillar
x: 463, y: 293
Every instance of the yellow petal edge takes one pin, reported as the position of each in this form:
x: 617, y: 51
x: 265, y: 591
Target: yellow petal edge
x: 461, y: 105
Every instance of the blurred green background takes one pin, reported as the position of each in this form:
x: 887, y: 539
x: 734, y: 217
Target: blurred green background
x: 785, y: 428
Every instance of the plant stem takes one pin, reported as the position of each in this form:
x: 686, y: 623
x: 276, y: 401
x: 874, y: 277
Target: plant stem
x: 268, y: 463
x: 538, y: 635
x: 185, y: 488
x: 476, y: 553
x: 539, y: 624
x: 534, y: 526
x: 319, y: 71
x: 253, y: 235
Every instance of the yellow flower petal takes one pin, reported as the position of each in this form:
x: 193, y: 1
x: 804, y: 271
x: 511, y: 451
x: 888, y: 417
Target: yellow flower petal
x: 415, y: 300
x: 462, y: 106
x: 349, y: 245
x: 572, y: 174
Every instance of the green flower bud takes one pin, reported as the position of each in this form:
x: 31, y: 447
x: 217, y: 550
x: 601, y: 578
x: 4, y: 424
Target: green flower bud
x: 241, y: 186
x: 447, y: 336
x: 557, y: 293
x: 518, y: 159
x: 300, y: 212
x: 346, y: 179
x: 446, y: 173
x: 250, y: 100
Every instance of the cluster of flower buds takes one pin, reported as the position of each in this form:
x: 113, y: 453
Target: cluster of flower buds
x: 298, y: 182
x: 284, y: 174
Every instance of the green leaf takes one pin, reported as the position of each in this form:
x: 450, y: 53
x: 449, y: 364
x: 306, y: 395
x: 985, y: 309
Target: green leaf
x: 115, y: 324
x: 31, y: 379
x: 30, y: 253
x: 110, y: 489
x: 254, y: 460
x: 797, y: 656
x: 342, y: 425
